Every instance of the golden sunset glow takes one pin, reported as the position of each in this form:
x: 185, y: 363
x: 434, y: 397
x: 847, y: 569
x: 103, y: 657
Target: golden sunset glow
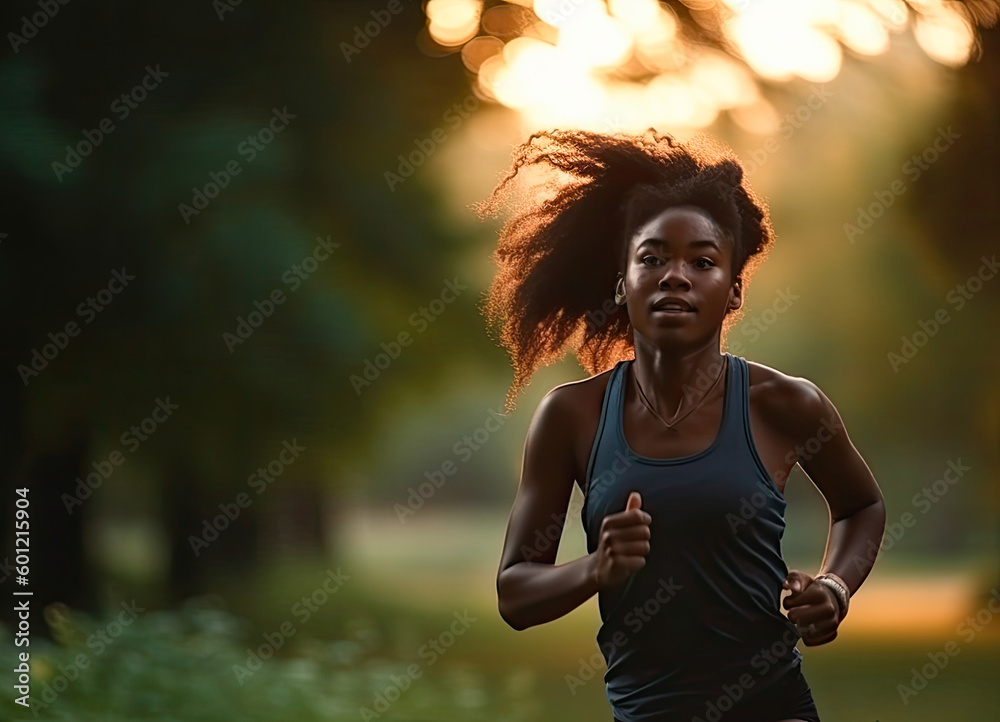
x: 453, y: 22
x: 782, y: 39
x: 861, y: 29
x: 630, y: 64
x: 944, y: 35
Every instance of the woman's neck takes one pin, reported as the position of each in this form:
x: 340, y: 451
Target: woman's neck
x: 674, y: 378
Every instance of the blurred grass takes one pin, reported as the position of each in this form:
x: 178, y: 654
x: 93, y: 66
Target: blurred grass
x: 399, y: 597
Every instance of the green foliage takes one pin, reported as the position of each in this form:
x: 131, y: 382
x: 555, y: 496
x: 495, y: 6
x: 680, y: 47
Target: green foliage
x: 192, y: 664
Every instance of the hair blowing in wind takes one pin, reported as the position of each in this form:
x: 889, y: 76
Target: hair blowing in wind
x: 559, y: 254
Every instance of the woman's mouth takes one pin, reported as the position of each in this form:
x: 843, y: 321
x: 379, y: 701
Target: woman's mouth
x: 672, y: 306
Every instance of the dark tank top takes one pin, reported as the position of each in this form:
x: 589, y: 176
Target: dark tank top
x: 703, y: 614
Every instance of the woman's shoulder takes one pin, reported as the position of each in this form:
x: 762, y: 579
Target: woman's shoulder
x: 785, y: 399
x: 577, y: 399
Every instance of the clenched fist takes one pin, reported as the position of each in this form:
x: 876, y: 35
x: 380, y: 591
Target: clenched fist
x: 623, y: 543
x: 813, y: 608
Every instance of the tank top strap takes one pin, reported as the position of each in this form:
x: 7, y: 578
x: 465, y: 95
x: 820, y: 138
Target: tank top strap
x: 736, y: 437
x: 605, y: 427
x: 733, y: 433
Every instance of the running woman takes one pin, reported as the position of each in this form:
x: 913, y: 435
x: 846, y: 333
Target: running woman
x: 637, y: 252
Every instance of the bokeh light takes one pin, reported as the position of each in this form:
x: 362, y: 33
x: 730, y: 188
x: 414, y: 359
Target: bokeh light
x: 593, y: 63
x: 453, y: 22
x: 944, y: 35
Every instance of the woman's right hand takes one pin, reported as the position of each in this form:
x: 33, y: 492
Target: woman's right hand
x: 623, y: 543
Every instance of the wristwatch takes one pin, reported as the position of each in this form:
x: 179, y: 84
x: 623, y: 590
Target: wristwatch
x: 839, y: 588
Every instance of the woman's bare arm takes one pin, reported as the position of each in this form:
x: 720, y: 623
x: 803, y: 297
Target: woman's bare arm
x: 530, y: 588
x: 857, y: 507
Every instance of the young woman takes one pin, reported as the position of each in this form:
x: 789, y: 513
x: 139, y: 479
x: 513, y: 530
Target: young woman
x: 637, y: 252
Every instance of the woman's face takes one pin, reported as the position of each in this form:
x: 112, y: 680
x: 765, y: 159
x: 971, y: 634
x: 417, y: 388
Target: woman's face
x: 678, y: 278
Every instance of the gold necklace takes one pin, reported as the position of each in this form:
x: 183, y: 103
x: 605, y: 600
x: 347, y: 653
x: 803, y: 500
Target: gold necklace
x: 675, y: 420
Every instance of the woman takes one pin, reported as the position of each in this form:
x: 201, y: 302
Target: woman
x: 638, y: 254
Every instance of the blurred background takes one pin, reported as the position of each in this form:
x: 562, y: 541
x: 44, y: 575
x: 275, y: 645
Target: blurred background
x: 250, y: 393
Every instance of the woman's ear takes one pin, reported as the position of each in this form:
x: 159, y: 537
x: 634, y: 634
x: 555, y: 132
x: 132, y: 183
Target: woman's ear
x: 736, y: 295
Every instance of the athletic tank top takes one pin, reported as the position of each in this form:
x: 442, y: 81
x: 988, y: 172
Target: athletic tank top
x: 703, y: 614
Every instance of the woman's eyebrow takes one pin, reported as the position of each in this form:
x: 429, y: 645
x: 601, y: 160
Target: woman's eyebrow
x: 661, y: 244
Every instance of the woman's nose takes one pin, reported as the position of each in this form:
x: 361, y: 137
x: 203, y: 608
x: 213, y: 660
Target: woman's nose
x: 674, y: 276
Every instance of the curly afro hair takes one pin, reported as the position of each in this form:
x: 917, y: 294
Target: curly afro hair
x: 558, y: 256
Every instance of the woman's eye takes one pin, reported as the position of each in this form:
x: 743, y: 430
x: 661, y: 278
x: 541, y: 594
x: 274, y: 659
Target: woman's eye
x: 649, y: 260
x: 705, y: 261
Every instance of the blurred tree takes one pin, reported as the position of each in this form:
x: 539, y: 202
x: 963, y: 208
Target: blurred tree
x: 959, y: 205
x: 163, y: 335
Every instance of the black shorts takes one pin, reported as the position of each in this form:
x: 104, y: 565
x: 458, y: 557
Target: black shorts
x: 788, y: 698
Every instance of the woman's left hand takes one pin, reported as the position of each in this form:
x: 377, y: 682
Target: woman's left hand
x: 813, y: 608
